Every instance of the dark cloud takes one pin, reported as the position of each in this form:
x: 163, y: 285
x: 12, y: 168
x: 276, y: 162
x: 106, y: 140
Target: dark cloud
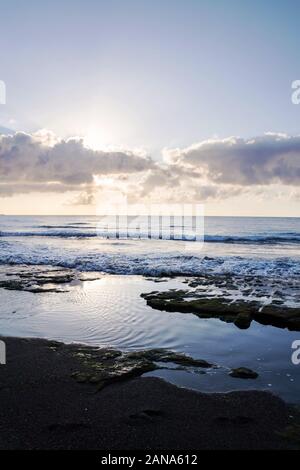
x: 272, y: 158
x: 213, y: 169
x: 41, y: 158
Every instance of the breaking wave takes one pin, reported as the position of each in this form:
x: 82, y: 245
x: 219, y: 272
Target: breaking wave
x: 279, y: 238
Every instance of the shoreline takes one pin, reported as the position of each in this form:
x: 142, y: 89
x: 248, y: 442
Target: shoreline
x: 180, y: 314
x: 43, y: 407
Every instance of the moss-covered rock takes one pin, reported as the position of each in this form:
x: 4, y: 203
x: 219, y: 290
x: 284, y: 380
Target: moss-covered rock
x: 223, y: 308
x: 41, y: 279
x: 243, y: 373
x: 106, y: 366
x: 243, y: 320
x: 163, y: 355
x: 239, y: 311
x: 280, y: 316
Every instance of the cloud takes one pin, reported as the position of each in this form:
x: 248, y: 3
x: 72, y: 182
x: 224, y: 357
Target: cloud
x: 269, y: 159
x: 174, y: 184
x: 85, y: 198
x: 9, y: 189
x: 41, y: 157
x: 205, y: 171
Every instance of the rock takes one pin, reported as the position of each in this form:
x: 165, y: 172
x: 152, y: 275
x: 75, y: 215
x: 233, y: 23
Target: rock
x: 243, y: 321
x: 40, y: 279
x: 80, y: 377
x: 243, y: 373
x: 241, y: 312
x: 106, y: 366
x: 216, y: 307
x: 163, y: 355
x: 280, y: 316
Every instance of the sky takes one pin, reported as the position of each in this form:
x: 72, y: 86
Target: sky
x: 160, y: 100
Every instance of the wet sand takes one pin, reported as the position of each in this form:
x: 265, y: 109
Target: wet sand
x: 43, y: 407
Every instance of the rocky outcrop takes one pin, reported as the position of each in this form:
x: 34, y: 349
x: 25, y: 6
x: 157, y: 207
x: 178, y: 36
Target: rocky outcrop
x: 243, y: 373
x: 40, y: 279
x: 106, y: 366
x: 240, y: 312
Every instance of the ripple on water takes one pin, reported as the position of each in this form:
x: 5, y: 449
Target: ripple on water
x: 111, y: 312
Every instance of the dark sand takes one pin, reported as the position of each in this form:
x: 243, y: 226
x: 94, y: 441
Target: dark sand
x: 42, y: 407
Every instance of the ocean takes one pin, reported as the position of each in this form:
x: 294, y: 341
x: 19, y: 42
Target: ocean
x: 262, y: 255
x: 237, y: 245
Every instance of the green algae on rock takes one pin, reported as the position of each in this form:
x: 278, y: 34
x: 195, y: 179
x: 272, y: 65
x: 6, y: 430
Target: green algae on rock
x: 164, y: 355
x: 178, y: 301
x: 279, y: 315
x: 40, y: 279
x: 106, y: 366
x: 240, y: 311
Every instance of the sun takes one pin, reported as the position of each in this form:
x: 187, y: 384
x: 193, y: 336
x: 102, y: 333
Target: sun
x: 102, y: 136
x: 94, y: 140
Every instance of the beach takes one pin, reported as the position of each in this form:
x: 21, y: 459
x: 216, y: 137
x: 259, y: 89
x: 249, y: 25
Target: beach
x: 43, y: 407
x: 149, y: 228
x: 148, y: 344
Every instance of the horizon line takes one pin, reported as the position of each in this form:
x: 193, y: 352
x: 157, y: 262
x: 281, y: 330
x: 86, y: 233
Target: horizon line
x: 164, y: 215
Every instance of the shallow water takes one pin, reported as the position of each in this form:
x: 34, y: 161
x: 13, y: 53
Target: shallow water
x: 111, y: 312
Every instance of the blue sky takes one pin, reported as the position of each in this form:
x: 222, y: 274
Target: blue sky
x: 150, y: 74
x: 159, y: 73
